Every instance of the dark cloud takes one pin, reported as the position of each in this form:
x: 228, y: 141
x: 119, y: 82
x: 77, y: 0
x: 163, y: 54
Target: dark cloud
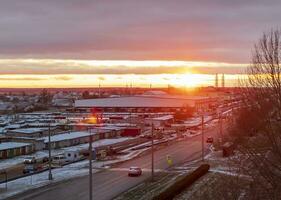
x: 217, y: 30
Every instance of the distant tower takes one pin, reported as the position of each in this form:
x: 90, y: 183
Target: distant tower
x: 99, y: 90
x: 222, y: 81
x: 217, y: 81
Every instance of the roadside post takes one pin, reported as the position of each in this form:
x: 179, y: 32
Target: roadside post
x: 202, y: 132
x: 220, y: 120
x: 98, y: 117
x: 90, y: 167
x: 50, y: 157
x: 152, y: 152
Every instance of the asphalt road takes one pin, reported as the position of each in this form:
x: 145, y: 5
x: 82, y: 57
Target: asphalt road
x: 110, y: 183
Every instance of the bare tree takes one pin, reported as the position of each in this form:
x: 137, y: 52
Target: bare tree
x: 257, y: 131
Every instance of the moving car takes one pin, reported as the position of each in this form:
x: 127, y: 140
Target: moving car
x: 134, y: 171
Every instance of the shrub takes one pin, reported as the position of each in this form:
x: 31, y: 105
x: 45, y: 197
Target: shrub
x: 182, y: 183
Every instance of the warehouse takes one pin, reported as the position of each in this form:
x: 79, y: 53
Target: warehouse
x: 78, y: 137
x: 67, y: 139
x: 143, y: 103
x: 12, y: 149
x: 110, y: 131
x: 29, y: 132
x: 160, y: 121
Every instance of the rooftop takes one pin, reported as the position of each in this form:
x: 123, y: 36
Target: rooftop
x: 12, y: 145
x: 67, y: 136
x: 29, y: 130
x: 163, y: 118
x: 167, y: 101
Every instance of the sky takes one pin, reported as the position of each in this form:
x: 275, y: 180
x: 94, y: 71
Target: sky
x: 68, y: 43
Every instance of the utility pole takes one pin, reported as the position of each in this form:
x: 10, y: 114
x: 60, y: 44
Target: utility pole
x: 202, y: 132
x: 90, y: 167
x: 152, y: 152
x: 50, y: 156
x: 222, y: 81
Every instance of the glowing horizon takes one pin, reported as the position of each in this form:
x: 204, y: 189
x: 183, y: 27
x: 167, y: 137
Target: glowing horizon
x: 58, y: 73
x: 80, y: 81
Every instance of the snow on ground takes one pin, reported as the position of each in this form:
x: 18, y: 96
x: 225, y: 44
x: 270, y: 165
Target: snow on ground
x: 41, y: 154
x: 41, y: 179
x: 6, y: 163
x: 229, y: 173
x: 196, y: 121
x: 69, y: 171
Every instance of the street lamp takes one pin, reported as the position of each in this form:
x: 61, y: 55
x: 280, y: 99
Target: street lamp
x: 202, y: 132
x: 152, y: 151
x: 220, y: 125
x: 90, y: 167
x: 50, y: 156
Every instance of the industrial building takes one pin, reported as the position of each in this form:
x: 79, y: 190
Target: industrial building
x: 28, y: 132
x: 12, y: 149
x: 161, y: 103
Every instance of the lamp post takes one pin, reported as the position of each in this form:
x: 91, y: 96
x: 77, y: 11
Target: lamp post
x: 50, y: 156
x: 152, y: 152
x: 90, y: 167
x: 220, y: 122
x: 202, y: 132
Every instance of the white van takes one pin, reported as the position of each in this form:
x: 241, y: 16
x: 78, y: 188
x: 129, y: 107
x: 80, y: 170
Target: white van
x: 59, y: 160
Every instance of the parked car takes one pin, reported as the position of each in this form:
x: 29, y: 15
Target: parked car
x: 210, y: 140
x: 134, y: 171
x: 29, y: 160
x: 32, y: 168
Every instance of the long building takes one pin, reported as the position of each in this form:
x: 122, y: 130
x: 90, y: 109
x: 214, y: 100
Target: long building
x: 144, y: 103
x: 12, y: 149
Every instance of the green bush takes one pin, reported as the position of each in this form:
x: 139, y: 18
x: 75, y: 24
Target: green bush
x: 183, y: 183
